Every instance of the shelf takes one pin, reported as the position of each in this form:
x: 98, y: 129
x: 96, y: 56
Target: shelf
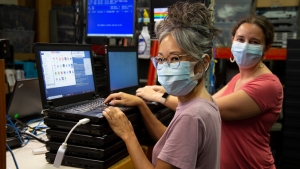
x: 273, y: 53
x: 24, y: 56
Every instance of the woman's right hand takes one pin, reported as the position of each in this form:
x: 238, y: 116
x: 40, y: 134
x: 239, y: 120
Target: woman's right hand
x: 151, y: 93
x: 118, y: 122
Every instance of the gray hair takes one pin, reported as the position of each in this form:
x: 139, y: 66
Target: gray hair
x: 190, y: 24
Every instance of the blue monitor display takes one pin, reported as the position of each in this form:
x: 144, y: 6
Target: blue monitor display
x: 128, y: 76
x: 110, y: 18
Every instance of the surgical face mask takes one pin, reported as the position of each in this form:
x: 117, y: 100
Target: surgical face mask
x: 179, y: 81
x: 246, y: 55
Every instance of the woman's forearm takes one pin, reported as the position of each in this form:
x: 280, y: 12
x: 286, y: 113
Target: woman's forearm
x: 137, y: 155
x: 154, y: 127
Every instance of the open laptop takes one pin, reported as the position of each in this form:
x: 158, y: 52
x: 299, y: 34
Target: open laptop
x: 122, y: 69
x: 25, y: 101
x: 67, y: 82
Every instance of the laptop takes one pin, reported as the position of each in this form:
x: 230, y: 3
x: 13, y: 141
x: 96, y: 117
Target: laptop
x: 67, y: 82
x: 25, y: 101
x: 122, y: 69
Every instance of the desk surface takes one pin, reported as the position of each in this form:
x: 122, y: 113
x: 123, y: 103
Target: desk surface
x: 26, y: 159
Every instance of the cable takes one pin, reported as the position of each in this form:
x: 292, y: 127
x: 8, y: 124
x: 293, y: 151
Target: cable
x: 15, y: 128
x: 37, y: 125
x: 34, y: 120
x: 61, y: 151
x: 33, y: 136
x: 24, y: 126
x: 13, y: 156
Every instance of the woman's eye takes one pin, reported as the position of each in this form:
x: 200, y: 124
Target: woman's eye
x: 254, y: 42
x: 159, y: 60
x: 174, y: 58
x: 240, y: 40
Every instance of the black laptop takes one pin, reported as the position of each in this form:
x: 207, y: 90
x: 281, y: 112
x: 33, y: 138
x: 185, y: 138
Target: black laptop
x: 67, y: 82
x: 122, y: 69
x: 25, y: 102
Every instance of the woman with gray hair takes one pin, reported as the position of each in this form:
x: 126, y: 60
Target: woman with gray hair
x: 249, y: 104
x: 192, y: 139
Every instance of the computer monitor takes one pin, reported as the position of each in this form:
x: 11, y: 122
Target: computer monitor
x: 159, y: 14
x: 159, y: 10
x: 110, y: 19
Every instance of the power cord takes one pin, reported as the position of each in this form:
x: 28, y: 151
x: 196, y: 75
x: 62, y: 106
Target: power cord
x: 33, y: 136
x: 15, y: 128
x: 61, y: 151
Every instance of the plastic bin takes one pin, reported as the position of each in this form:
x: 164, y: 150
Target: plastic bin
x: 22, y: 40
x: 29, y: 68
x: 232, y: 10
x: 225, y: 39
x: 278, y: 13
x: 65, y: 16
x: 16, y: 17
x: 66, y: 35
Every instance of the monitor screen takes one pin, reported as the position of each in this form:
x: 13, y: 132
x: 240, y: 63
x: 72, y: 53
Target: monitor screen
x: 159, y: 10
x: 110, y: 18
x: 159, y: 13
x: 122, y: 67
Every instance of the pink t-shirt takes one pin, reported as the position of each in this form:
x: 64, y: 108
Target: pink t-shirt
x: 192, y: 139
x: 245, y: 143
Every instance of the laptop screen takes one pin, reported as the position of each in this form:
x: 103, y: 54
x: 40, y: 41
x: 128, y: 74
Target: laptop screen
x: 122, y: 68
x: 25, y: 101
x: 65, y: 71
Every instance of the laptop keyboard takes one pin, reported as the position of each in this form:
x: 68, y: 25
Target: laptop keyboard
x: 88, y: 106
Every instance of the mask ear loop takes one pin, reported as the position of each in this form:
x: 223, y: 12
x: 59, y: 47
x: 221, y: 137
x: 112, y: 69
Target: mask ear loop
x: 199, y: 75
x: 203, y: 56
x: 231, y: 60
x: 261, y: 65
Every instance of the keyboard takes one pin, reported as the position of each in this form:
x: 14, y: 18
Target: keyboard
x: 86, y: 106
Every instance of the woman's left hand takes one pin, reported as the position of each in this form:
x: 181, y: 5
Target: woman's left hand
x: 119, y: 122
x: 149, y: 93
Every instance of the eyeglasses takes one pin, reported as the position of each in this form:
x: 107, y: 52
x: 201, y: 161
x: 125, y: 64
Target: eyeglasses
x: 173, y: 61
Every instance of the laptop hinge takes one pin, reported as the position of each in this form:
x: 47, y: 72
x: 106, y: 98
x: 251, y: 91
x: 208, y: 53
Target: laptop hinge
x: 50, y: 105
x: 95, y: 96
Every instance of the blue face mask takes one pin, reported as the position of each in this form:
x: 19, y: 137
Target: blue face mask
x: 179, y: 81
x: 246, y: 55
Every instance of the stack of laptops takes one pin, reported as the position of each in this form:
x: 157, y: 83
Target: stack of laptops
x: 68, y: 94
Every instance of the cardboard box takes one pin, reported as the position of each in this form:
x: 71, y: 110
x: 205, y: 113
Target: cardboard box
x: 276, y: 3
x: 126, y: 162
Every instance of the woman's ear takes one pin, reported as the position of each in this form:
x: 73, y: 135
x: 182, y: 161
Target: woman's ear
x: 206, y: 60
x: 267, y: 48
